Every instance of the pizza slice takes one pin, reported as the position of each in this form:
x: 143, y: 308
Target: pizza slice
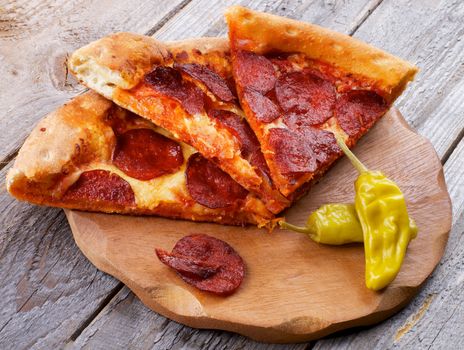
x: 93, y: 155
x: 299, y: 83
x: 186, y: 88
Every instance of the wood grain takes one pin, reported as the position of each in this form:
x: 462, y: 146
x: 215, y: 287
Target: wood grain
x: 142, y: 328
x: 311, y: 290
x: 205, y: 18
x: 428, y: 33
x: 35, y: 39
x: 49, y: 289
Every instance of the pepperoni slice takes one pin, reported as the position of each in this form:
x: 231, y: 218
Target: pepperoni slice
x: 357, y: 110
x: 254, y: 71
x: 144, y: 154
x: 281, y: 62
x: 210, y: 186
x: 301, y: 151
x: 101, y: 186
x: 190, y: 266
x: 307, y: 99
x: 250, y: 147
x: 214, y: 82
x: 168, y: 81
x: 264, y: 109
x: 207, y: 263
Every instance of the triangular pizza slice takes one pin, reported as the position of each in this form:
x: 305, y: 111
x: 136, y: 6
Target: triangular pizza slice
x: 186, y: 88
x: 299, y: 84
x: 93, y: 155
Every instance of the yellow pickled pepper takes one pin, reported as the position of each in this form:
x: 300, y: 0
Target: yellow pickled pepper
x: 386, y: 226
x: 333, y: 224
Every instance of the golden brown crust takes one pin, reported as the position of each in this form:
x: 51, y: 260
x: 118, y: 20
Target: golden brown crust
x: 65, y: 137
x: 212, y: 52
x: 128, y: 56
x: 263, y: 33
x: 78, y: 137
x: 205, y: 45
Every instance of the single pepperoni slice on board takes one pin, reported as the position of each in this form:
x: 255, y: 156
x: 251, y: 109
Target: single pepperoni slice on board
x: 144, y: 154
x: 254, y: 71
x: 208, y: 185
x: 101, y: 186
x: 169, y: 82
x: 213, y: 81
x: 207, y: 263
x: 263, y: 108
x: 357, y: 110
x: 306, y: 98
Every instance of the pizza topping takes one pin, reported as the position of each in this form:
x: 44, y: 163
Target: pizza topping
x: 121, y: 120
x: 205, y: 262
x: 357, y: 110
x: 144, y: 154
x: 210, y: 186
x: 281, y: 62
x: 215, y: 83
x: 187, y: 265
x: 302, y: 150
x: 168, y: 81
x: 264, y: 109
x: 307, y: 99
x: 254, y: 71
x: 101, y: 186
x: 250, y: 147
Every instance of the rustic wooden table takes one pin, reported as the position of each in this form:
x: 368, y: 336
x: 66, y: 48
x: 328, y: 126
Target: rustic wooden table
x: 53, y: 297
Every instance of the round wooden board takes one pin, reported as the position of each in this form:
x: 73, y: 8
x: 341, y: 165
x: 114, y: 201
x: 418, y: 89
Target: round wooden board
x: 294, y: 290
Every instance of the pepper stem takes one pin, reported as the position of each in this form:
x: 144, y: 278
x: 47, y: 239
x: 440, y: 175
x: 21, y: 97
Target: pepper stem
x: 353, y: 159
x: 286, y: 225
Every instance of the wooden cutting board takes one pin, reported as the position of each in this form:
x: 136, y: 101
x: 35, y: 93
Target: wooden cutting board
x: 294, y: 290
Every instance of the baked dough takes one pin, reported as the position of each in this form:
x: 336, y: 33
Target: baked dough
x: 263, y: 33
x: 77, y: 138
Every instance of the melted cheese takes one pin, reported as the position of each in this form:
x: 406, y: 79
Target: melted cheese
x: 150, y: 193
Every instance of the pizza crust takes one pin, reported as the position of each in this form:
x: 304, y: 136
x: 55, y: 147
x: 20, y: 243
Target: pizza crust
x: 264, y: 33
x: 122, y: 59
x: 77, y: 138
x: 58, y: 140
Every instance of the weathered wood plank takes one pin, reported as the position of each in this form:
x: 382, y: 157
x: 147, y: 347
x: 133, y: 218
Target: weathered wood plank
x: 127, y: 324
x: 35, y: 39
x: 434, y: 318
x: 428, y: 33
x: 205, y: 18
x: 48, y: 288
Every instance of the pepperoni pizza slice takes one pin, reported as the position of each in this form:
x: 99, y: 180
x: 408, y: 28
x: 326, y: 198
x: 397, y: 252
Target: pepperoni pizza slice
x: 186, y: 88
x: 93, y: 155
x: 299, y: 83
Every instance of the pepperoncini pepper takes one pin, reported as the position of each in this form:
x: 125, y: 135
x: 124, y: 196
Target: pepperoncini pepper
x: 334, y: 224
x: 386, y: 226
